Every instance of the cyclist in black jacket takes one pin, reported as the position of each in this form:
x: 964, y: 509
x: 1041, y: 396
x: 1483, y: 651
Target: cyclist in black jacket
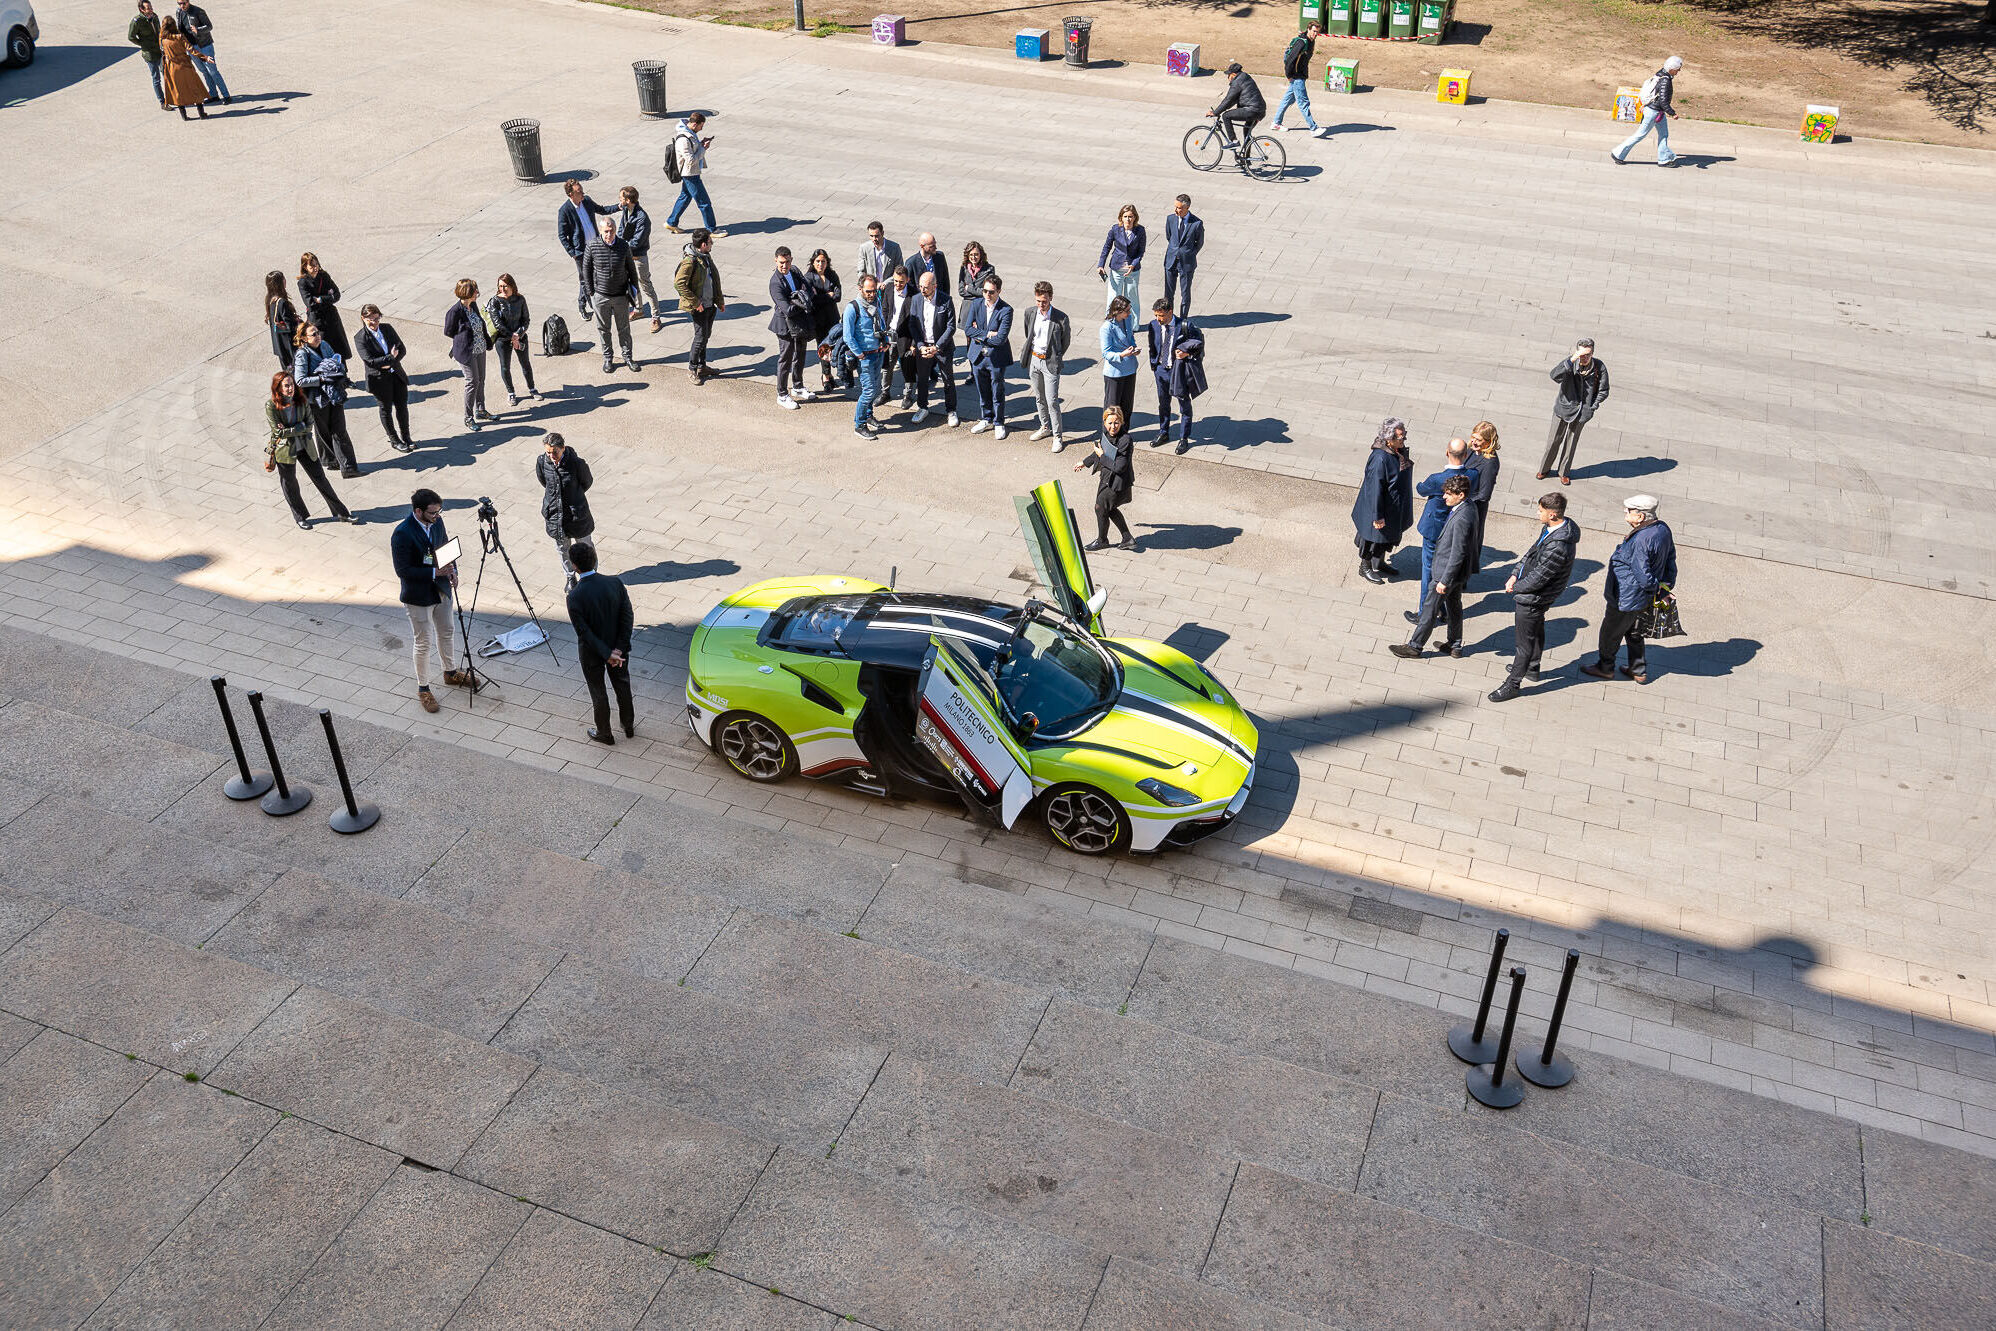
x: 1242, y: 106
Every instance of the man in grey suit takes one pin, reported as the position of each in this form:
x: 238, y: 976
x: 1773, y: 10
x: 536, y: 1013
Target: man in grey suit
x: 878, y: 257
x: 1184, y: 235
x: 1455, y: 560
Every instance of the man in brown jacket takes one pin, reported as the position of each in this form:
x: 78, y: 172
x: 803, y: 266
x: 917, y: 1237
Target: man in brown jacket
x: 698, y: 283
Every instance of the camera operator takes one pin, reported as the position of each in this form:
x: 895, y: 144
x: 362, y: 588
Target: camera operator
x: 565, y: 482
x: 426, y: 590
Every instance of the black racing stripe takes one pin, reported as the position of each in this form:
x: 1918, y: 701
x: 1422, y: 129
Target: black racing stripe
x: 1145, y: 707
x: 1135, y: 655
x: 1109, y: 749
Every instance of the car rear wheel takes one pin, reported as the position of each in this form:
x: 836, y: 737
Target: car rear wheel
x: 754, y: 747
x: 1085, y: 820
x: 20, y: 49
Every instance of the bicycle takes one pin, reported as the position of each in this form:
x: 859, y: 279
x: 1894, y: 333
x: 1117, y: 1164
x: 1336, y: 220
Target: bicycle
x: 1260, y: 156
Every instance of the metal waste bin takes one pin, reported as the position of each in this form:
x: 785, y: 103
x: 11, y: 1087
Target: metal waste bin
x: 1077, y: 40
x: 1400, y: 21
x: 1339, y: 18
x: 1436, y: 18
x: 523, y: 143
x: 651, y: 86
x: 1372, y: 18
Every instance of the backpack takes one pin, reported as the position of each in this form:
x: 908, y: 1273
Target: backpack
x: 554, y: 336
x: 1651, y: 86
x: 672, y: 172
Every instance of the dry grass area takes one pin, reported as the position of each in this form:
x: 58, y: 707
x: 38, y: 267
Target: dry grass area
x: 1906, y: 69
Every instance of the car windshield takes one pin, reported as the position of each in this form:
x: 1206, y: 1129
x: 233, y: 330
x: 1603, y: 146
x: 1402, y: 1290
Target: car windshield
x: 1059, y: 674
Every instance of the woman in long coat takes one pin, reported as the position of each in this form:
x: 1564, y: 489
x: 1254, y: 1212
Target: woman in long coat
x: 825, y: 302
x: 1385, y: 506
x: 1115, y: 469
x: 321, y: 295
x: 280, y: 316
x: 183, y: 86
x: 1484, y: 440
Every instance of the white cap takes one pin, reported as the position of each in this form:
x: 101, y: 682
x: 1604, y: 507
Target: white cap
x: 1641, y: 503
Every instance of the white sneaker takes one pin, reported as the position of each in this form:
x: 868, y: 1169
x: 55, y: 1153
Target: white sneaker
x: 1321, y: 132
x: 1041, y: 433
x: 786, y: 403
x: 921, y: 415
x: 981, y: 427
x: 801, y: 395
x: 1058, y: 443
x: 1001, y: 432
x: 952, y: 422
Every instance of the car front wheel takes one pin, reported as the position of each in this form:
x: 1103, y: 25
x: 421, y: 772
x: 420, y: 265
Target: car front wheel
x: 20, y: 49
x: 1085, y: 820
x: 753, y: 746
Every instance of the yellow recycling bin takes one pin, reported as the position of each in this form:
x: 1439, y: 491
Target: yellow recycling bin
x: 1453, y: 86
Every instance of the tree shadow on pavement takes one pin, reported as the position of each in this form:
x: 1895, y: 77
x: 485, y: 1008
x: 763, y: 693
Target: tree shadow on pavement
x: 59, y: 67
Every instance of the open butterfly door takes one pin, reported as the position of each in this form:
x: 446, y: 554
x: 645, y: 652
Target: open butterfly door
x: 1054, y: 541
x: 961, y: 722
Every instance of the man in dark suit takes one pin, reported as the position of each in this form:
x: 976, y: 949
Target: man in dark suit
x: 381, y: 350
x: 896, y: 298
x: 1184, y: 235
x: 931, y: 334
x: 575, y: 227
x: 1435, y: 516
x: 1177, y: 362
x: 790, y: 319
x: 988, y: 334
x: 426, y: 590
x: 928, y: 259
x: 600, y: 610
x: 1454, y: 560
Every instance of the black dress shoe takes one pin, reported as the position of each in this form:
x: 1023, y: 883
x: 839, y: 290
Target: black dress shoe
x: 1504, y: 693
x: 1183, y: 444
x: 1130, y: 544
x: 1596, y: 672
x: 1531, y: 676
x: 1410, y: 616
x: 302, y: 524
x: 601, y: 739
x: 1369, y: 573
x: 1390, y: 572
x: 349, y: 473
x: 1096, y: 545
x: 1452, y: 648
x: 1405, y: 650
x: 631, y: 730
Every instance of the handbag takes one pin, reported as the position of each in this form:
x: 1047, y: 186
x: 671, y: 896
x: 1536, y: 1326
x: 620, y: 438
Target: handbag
x: 1660, y: 619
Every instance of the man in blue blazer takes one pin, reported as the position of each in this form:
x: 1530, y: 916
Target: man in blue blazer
x: 575, y: 227
x: 1177, y: 362
x: 988, y: 335
x: 1435, y: 516
x: 1184, y: 234
x: 426, y: 589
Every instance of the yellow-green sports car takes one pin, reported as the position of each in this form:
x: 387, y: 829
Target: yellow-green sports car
x: 1115, y: 743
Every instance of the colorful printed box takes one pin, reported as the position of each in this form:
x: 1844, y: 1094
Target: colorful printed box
x: 1453, y: 86
x: 1182, y: 59
x: 1341, y: 76
x: 889, y: 30
x: 1628, y: 105
x: 1819, y: 124
x: 1033, y: 44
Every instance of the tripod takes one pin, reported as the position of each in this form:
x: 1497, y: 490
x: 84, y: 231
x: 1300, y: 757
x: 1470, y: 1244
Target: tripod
x: 489, y: 543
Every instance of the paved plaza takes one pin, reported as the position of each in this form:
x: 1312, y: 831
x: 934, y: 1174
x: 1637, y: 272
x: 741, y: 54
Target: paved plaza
x: 1774, y: 859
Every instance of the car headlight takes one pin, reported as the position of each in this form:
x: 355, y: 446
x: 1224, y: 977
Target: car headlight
x: 1164, y: 794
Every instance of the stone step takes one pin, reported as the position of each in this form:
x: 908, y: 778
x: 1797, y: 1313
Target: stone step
x: 1135, y: 1297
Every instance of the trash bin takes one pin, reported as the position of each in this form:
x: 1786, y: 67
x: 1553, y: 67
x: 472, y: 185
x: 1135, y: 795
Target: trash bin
x: 1401, y: 20
x: 1436, y: 18
x: 1308, y: 12
x: 651, y: 86
x: 1077, y: 40
x: 1372, y: 18
x: 1338, y: 18
x: 1341, y: 76
x: 523, y: 143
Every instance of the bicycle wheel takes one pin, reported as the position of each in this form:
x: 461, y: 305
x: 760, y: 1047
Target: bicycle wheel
x: 1203, y: 147
x: 1266, y: 159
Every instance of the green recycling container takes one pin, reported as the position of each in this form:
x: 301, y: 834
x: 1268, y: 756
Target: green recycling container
x: 1400, y: 20
x: 1436, y: 16
x: 1308, y: 12
x: 1372, y: 18
x: 1340, y: 18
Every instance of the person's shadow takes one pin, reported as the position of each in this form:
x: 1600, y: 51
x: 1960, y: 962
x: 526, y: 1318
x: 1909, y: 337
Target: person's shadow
x: 1185, y: 536
x: 1702, y: 161
x: 667, y: 570
x: 1624, y: 469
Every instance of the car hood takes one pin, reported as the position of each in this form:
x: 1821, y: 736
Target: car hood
x: 1172, y: 712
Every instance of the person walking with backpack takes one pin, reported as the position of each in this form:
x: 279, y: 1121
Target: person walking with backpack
x: 1296, y: 68
x: 1658, y: 112
x: 685, y: 162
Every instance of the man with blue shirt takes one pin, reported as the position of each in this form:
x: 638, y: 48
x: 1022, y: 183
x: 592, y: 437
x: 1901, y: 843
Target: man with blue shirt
x: 865, y: 338
x: 426, y: 590
x: 1535, y: 586
x: 575, y: 227
x: 1184, y: 236
x: 1435, y: 516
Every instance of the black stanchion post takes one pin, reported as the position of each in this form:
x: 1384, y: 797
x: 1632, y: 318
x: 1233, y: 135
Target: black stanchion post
x: 1471, y: 1043
x: 1487, y: 1083
x: 285, y: 799
x: 246, y: 785
x: 355, y: 817
x: 1549, y: 1069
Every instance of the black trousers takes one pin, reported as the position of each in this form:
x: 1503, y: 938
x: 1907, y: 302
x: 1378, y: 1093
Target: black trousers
x: 1106, y: 512
x: 703, y: 328
x: 1121, y: 393
x: 287, y: 480
x: 927, y: 371
x: 593, y: 669
x: 1439, y: 606
x: 329, y: 425
x: 1618, y: 627
x: 1529, y: 625
x: 507, y: 351
x: 391, y: 397
x: 789, y: 364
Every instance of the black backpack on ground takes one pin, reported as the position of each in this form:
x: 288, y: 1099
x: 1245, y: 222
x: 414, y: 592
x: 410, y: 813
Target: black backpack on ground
x: 554, y: 336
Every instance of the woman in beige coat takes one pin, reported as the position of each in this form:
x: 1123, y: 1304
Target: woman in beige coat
x: 183, y: 86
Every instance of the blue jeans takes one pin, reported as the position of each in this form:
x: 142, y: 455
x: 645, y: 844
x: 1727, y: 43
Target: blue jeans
x: 1658, y: 121
x: 869, y: 388
x: 210, y: 72
x: 158, y: 88
x: 1298, y: 93
x: 693, y: 190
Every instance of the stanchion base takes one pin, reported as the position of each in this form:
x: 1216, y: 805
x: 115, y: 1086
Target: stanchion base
x: 346, y: 824
x: 239, y: 789
x: 278, y: 807
x: 1479, y: 1081
x: 1463, y: 1044
x: 1549, y: 1075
